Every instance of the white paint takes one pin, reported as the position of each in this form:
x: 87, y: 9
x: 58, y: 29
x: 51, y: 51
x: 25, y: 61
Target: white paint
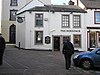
x: 52, y: 27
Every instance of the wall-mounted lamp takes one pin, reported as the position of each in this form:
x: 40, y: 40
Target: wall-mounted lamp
x: 20, y: 19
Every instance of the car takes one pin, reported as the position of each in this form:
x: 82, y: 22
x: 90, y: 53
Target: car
x: 88, y: 60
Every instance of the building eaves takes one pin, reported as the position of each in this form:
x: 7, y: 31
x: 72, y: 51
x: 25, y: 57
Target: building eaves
x: 59, y: 8
x: 91, y: 4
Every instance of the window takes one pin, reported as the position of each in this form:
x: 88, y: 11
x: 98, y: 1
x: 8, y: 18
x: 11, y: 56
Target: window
x: 65, y: 38
x: 77, y: 41
x: 97, y: 17
x: 39, y: 20
x: 76, y: 21
x: 13, y: 3
x: 39, y: 37
x: 65, y: 21
x: 13, y: 15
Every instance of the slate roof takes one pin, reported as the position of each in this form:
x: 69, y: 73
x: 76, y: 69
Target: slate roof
x: 91, y: 4
x: 59, y: 8
x: 56, y: 8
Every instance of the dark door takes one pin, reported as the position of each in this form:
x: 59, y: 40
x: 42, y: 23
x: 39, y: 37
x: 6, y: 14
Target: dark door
x: 56, y: 43
x: 12, y: 33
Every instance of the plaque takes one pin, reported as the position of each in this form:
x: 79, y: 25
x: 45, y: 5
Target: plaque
x: 47, y: 39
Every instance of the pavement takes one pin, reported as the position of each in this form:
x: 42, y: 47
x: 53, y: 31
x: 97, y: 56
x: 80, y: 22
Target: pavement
x: 29, y: 62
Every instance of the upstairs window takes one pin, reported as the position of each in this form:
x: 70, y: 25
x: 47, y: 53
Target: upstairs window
x: 14, y: 3
x: 39, y: 20
x: 97, y: 17
x: 13, y: 15
x: 65, y: 21
x: 76, y: 21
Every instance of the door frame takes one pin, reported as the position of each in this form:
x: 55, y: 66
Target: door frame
x: 10, y: 32
x: 53, y: 42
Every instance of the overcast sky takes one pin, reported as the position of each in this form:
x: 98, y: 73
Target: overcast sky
x: 59, y: 1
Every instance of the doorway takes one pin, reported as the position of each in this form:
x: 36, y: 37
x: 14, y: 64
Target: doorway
x: 56, y: 45
x: 12, y: 34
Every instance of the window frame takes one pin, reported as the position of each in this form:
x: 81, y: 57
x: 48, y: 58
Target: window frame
x: 65, y: 21
x: 12, y: 3
x: 77, y: 20
x: 36, y: 37
x: 65, y: 38
x: 95, y: 22
x: 12, y: 17
x: 38, y: 20
x: 80, y: 42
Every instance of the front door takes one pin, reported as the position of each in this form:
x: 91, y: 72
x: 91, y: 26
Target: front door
x: 56, y: 43
x: 12, y: 33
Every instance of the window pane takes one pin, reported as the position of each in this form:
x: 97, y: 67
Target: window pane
x: 97, y: 17
x: 76, y: 21
x: 65, y: 38
x: 39, y: 20
x: 13, y: 15
x: 77, y: 40
x: 13, y: 3
x: 39, y: 37
x: 65, y: 20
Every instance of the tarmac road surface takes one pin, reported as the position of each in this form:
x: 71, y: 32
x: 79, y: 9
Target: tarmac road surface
x: 30, y: 62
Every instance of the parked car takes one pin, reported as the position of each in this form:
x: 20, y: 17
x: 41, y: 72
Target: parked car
x: 88, y: 60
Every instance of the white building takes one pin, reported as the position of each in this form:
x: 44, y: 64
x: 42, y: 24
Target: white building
x: 8, y: 20
x: 46, y: 27
x: 92, y: 22
x: 0, y: 13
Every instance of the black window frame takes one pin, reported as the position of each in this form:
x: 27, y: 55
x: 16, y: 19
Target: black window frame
x: 76, y: 21
x: 13, y: 2
x: 13, y: 17
x: 37, y: 39
x: 65, y: 21
x: 77, y: 40
x: 39, y: 20
x: 96, y: 17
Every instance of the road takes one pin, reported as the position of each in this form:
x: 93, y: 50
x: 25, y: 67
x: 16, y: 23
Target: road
x: 30, y: 62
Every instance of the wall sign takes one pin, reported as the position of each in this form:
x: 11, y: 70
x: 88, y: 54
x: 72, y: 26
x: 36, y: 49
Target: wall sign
x: 47, y: 39
x: 20, y: 19
x: 70, y: 30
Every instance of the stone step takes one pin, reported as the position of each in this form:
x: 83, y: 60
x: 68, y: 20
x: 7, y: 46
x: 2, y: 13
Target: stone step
x: 10, y: 45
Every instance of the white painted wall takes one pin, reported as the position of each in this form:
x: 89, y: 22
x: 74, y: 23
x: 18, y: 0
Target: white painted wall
x: 47, y: 2
x: 79, y: 4
x: 30, y: 5
x: 0, y: 13
x: 52, y: 27
x: 20, y: 32
x: 90, y: 18
x: 5, y: 22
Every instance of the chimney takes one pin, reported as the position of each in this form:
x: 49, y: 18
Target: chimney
x: 71, y: 2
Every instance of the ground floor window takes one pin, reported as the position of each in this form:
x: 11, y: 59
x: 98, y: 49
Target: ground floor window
x: 92, y: 39
x: 77, y: 40
x: 65, y: 38
x: 39, y: 37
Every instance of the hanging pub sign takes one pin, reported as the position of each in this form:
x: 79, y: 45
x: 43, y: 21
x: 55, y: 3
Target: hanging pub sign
x: 47, y: 39
x: 20, y: 19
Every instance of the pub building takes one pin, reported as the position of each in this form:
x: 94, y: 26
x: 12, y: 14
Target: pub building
x: 46, y: 27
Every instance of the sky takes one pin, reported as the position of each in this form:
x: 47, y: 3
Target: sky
x: 59, y: 1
